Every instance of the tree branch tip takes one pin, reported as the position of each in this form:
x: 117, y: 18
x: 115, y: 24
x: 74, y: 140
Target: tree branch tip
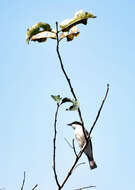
x: 34, y: 186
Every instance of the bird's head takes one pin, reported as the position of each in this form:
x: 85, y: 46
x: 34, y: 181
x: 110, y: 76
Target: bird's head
x: 75, y: 124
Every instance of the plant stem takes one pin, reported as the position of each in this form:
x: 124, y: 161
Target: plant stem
x: 68, y: 80
x: 54, y: 146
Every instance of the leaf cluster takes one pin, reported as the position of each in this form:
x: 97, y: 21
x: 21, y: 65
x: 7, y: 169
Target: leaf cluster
x: 41, y: 31
x: 60, y: 101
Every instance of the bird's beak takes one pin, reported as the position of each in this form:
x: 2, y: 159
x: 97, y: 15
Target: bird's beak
x: 70, y: 124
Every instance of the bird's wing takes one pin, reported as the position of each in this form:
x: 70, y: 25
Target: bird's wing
x: 88, y: 150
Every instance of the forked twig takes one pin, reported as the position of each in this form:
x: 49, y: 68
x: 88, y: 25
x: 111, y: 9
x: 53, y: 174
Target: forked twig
x: 74, y: 152
x: 81, y: 152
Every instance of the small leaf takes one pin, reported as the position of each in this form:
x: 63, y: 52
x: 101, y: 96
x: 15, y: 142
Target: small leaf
x: 56, y: 98
x: 42, y: 36
x: 64, y: 100
x: 80, y: 17
x: 35, y: 29
x: 74, y: 107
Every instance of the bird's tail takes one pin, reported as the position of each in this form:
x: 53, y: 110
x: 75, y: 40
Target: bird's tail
x: 92, y: 164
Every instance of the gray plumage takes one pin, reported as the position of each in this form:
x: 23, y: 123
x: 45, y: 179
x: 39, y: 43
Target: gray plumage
x: 77, y: 126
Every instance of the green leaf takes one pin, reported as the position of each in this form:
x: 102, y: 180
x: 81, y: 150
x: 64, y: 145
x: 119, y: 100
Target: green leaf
x: 35, y: 29
x: 73, y: 107
x: 80, y: 17
x: 56, y: 98
x: 42, y: 36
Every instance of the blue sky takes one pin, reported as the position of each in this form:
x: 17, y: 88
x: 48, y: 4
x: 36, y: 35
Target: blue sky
x: 29, y: 74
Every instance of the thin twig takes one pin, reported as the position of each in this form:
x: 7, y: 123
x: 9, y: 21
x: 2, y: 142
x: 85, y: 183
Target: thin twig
x: 35, y: 187
x: 68, y: 143
x: 24, y: 176
x: 99, y: 111
x: 81, y: 152
x: 82, y: 163
x: 68, y: 80
x: 81, y: 188
x: 74, y: 147
x: 54, y: 147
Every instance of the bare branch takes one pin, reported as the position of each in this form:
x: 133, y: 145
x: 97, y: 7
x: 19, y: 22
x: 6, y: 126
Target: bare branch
x: 68, y: 80
x: 35, y: 187
x: 54, y: 146
x: 99, y: 111
x: 24, y: 176
x: 81, y: 188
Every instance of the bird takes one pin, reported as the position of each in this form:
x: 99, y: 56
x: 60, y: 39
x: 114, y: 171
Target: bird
x: 77, y: 126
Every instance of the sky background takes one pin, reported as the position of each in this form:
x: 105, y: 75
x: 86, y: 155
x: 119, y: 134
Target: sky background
x: 103, y: 53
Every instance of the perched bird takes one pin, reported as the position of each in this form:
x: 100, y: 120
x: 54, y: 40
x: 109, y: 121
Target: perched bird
x: 77, y: 126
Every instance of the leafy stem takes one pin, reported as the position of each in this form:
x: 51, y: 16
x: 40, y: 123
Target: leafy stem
x: 67, y: 78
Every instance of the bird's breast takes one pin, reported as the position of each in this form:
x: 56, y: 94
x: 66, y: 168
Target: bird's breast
x: 80, y: 136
